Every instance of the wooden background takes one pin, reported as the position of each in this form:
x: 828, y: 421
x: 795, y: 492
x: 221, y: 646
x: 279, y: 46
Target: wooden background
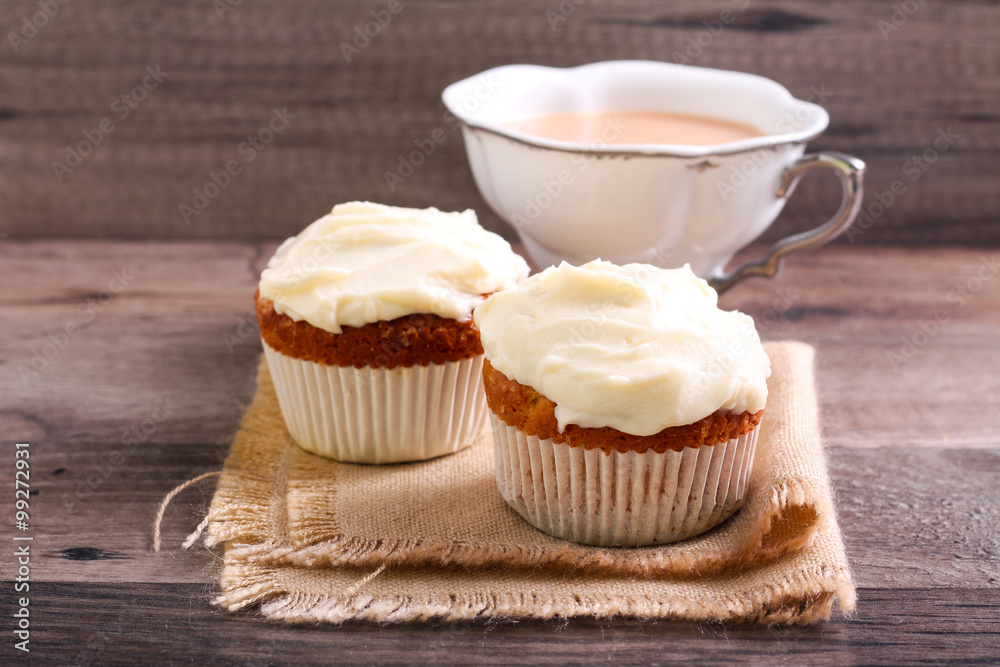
x: 226, y: 70
x: 913, y: 450
x: 913, y: 445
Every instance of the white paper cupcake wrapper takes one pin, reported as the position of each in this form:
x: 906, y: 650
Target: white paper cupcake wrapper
x: 620, y: 499
x: 378, y: 415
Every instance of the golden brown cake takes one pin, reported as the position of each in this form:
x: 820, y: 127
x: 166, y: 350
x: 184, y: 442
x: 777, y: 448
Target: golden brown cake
x: 531, y: 413
x: 421, y: 338
x: 625, y: 405
x: 366, y: 320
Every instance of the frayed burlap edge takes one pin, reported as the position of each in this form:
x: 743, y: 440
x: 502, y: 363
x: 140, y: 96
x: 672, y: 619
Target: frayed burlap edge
x: 248, y: 508
x: 254, y: 554
x: 787, y: 515
x: 253, y: 585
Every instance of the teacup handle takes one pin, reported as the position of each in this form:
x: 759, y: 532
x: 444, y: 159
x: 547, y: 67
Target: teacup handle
x: 850, y: 171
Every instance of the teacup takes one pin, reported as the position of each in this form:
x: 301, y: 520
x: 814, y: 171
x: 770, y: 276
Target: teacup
x: 656, y: 203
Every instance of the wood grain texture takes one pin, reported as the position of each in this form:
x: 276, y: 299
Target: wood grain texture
x: 941, y: 505
x: 106, y: 624
x: 149, y: 391
x: 184, y: 324
x: 888, y: 98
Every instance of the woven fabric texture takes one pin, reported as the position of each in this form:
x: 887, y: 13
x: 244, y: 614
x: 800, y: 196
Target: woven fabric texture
x: 308, y: 539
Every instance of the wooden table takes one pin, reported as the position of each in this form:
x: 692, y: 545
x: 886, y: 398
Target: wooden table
x: 145, y: 388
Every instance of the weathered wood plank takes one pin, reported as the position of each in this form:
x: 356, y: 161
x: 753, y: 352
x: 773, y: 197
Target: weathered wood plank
x: 914, y: 455
x: 162, y: 344
x: 920, y: 518
x: 93, y: 517
x: 182, y: 331
x: 115, y: 623
x: 888, y: 98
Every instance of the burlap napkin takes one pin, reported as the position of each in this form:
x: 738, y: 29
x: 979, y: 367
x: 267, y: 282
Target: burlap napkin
x: 315, y: 540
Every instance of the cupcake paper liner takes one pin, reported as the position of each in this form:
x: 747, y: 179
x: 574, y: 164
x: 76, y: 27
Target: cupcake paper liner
x: 623, y: 499
x: 379, y: 415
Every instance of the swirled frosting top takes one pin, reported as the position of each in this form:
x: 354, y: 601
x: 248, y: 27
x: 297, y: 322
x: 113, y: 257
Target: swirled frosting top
x: 635, y: 347
x: 365, y: 263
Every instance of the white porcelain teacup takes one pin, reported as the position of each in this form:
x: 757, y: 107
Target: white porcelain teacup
x: 662, y: 204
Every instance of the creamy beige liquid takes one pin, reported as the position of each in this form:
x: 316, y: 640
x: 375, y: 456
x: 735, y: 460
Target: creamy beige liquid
x: 636, y: 127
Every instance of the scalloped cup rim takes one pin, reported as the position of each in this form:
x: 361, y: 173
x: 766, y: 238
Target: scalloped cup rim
x: 608, y: 74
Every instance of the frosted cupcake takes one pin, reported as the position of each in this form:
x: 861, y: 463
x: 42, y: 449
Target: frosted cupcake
x: 625, y: 405
x: 366, y: 319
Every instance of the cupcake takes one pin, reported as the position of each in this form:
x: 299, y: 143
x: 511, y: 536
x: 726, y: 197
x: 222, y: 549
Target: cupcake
x: 625, y: 404
x: 366, y: 320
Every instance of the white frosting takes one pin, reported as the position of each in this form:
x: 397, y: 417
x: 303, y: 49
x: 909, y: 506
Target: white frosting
x: 632, y: 347
x: 367, y: 262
